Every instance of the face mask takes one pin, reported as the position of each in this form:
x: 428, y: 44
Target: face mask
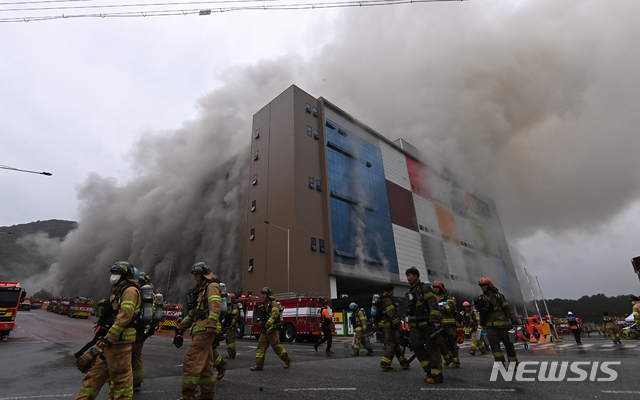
x: 114, y: 279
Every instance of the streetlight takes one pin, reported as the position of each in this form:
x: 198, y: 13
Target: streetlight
x: 24, y: 170
x: 63, y: 286
x: 169, y: 278
x: 285, y: 230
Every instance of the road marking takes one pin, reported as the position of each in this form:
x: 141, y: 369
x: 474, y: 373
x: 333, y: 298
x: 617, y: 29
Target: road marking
x: 620, y: 391
x: 29, y: 333
x: 626, y: 347
x: 585, y: 345
x: 565, y: 345
x: 608, y: 345
x: 314, y: 389
x: 471, y: 389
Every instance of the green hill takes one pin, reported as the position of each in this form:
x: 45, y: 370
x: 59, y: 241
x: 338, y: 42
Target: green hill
x: 19, y: 260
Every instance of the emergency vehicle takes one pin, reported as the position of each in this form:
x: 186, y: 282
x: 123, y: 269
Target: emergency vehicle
x: 37, y: 304
x: 80, y: 307
x: 171, y: 315
x: 11, y: 295
x: 63, y: 306
x: 301, y: 316
x: 53, y: 304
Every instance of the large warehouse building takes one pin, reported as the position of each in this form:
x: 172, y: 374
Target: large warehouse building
x: 335, y: 208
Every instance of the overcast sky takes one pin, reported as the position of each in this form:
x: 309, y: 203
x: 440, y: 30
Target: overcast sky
x: 535, y: 102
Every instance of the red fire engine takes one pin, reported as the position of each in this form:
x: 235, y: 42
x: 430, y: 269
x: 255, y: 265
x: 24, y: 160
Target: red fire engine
x: 171, y: 315
x: 80, y: 307
x: 11, y: 295
x: 63, y: 306
x: 301, y: 316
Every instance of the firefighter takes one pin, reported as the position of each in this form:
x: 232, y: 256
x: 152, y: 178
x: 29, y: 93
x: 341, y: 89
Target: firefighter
x: 270, y: 335
x: 447, y: 307
x: 391, y: 326
x: 114, y: 364
x: 573, y: 325
x: 232, y: 325
x: 359, y: 323
x: 424, y: 319
x: 611, y: 328
x: 498, y: 317
x: 136, y: 352
x: 205, y: 305
x: 470, y: 321
x: 636, y: 309
x: 326, y: 321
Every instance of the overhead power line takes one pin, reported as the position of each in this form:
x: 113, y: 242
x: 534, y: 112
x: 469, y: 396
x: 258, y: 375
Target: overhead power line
x: 212, y: 7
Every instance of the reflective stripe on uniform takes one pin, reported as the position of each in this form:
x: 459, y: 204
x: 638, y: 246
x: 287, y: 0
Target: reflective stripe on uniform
x: 89, y: 392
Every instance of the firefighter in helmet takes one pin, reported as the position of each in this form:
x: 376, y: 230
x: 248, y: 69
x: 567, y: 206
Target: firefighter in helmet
x: 498, y: 317
x: 269, y: 313
x: 205, y: 305
x: 391, y: 326
x: 424, y: 320
x: 136, y: 353
x: 359, y: 323
x: 611, y: 328
x: 470, y: 321
x: 231, y: 321
x: 447, y: 307
x: 114, y: 364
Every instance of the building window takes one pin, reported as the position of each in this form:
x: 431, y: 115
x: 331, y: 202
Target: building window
x: 253, y: 234
x: 316, y: 135
x: 311, y: 180
x: 250, y: 265
x: 313, y: 244
x: 255, y: 155
x: 431, y: 273
x: 315, y: 112
x: 322, y: 250
x: 309, y: 108
x: 255, y: 179
x: 309, y: 130
x: 257, y: 134
x: 253, y: 206
x: 319, y: 185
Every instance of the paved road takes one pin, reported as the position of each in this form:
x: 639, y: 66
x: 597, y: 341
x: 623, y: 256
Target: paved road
x: 37, y: 363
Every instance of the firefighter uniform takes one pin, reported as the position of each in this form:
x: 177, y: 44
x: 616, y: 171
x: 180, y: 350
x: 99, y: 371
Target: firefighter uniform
x: 390, y: 324
x: 198, y: 360
x: 611, y: 328
x: 636, y: 310
x: 424, y: 313
x: 270, y: 335
x: 496, y: 314
x: 115, y: 364
x: 447, y: 307
x: 360, y: 326
x: 230, y: 335
x: 137, y: 365
x: 470, y: 321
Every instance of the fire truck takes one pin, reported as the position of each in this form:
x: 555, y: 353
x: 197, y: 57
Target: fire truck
x: 301, y: 316
x: 11, y: 295
x: 171, y: 315
x: 80, y: 307
x: 53, y: 304
x: 37, y: 304
x: 63, y: 306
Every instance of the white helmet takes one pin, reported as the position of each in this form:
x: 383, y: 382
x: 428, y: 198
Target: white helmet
x: 569, y: 313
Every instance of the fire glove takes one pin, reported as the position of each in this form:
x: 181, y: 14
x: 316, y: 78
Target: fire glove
x: 86, y: 360
x: 178, y: 339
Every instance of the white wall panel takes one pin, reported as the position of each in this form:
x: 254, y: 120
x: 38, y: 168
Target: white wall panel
x: 427, y: 216
x: 408, y: 250
x: 395, y: 165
